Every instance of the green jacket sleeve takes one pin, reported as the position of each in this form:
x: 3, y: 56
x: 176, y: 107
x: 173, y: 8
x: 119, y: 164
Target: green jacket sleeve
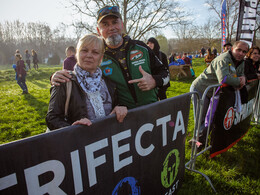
x: 225, y: 68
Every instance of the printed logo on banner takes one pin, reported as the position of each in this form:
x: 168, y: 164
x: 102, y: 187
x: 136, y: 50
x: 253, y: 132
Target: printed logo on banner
x: 136, y: 55
x: 107, y: 71
x: 170, y: 169
x: 229, y: 118
x: 124, y: 184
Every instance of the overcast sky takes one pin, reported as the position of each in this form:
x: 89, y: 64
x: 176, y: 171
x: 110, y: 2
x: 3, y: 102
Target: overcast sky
x: 54, y: 12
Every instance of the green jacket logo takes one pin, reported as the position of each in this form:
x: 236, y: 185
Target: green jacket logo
x: 136, y: 55
x: 170, y: 168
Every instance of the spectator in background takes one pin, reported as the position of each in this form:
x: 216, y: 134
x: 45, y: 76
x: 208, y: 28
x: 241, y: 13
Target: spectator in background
x: 70, y: 61
x: 154, y: 45
x: 227, y: 47
x: 172, y: 57
x: 215, y: 51
x: 14, y: 67
x: 17, y: 52
x: 27, y: 59
x: 21, y: 73
x: 252, y: 68
x: 209, y: 57
x: 35, y: 60
x: 186, y: 59
x: 202, y: 52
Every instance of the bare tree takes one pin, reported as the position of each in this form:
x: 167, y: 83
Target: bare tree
x: 188, y: 38
x: 210, y: 32
x: 38, y: 36
x: 232, y: 14
x: 187, y: 31
x: 139, y: 16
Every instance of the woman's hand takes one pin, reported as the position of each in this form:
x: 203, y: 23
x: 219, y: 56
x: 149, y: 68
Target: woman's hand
x: 121, y: 112
x: 83, y: 121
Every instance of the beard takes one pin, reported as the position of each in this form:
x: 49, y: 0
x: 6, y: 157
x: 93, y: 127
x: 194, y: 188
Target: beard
x: 114, y: 40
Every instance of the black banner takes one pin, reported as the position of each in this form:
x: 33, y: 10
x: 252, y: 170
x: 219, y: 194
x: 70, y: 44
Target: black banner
x: 247, y: 21
x: 143, y: 155
x: 230, y: 126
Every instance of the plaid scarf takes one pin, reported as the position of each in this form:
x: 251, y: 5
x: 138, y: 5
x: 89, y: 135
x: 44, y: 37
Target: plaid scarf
x: 89, y: 82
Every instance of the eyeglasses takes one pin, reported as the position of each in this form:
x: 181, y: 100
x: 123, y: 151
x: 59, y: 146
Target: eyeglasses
x: 107, y: 10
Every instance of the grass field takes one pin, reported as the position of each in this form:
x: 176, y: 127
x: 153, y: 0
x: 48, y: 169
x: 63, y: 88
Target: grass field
x: 235, y: 172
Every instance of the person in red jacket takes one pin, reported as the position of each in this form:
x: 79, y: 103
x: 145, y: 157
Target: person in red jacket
x: 21, y: 73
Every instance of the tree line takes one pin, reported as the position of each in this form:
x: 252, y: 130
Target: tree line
x: 142, y: 19
x: 34, y: 35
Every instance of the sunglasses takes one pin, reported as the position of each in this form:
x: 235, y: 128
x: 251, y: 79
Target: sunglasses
x: 107, y: 10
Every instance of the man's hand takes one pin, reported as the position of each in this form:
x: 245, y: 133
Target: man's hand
x: 145, y: 83
x: 121, y: 112
x: 83, y: 121
x: 242, y: 80
x: 60, y: 76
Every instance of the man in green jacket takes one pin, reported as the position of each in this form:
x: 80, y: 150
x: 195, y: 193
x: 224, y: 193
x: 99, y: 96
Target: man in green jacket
x: 229, y: 65
x: 131, y: 64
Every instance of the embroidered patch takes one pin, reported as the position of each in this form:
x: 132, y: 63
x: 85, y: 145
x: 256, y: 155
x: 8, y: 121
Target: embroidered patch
x: 104, y: 63
x: 136, y: 55
x: 229, y: 118
x: 107, y: 71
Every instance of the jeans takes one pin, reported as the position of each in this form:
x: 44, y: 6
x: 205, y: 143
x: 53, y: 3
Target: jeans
x: 21, y: 83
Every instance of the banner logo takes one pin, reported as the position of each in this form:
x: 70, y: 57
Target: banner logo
x: 136, y: 55
x: 229, y: 118
x: 170, y: 168
x: 123, y: 187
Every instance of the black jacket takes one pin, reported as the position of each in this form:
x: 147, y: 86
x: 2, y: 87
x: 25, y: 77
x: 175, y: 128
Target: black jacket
x: 160, y: 55
x: 77, y: 106
x: 250, y: 70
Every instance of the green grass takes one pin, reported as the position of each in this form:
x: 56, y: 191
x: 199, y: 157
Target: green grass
x: 233, y: 172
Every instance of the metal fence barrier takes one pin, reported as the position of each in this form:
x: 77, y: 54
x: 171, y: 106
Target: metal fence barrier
x: 256, y: 107
x: 197, y: 123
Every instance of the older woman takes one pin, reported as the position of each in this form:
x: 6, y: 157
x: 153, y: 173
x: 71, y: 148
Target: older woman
x: 252, y: 68
x: 92, y: 96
